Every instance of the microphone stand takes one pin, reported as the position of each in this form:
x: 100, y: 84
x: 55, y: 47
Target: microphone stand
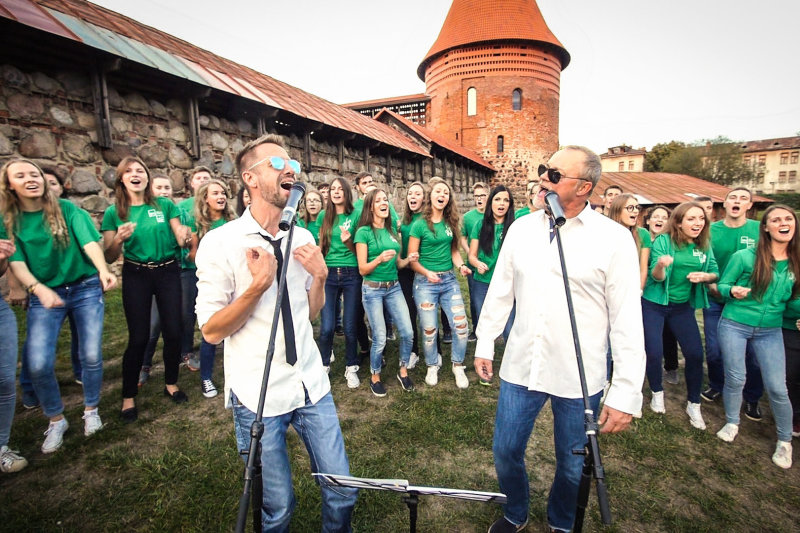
x: 592, y: 463
x: 252, y: 471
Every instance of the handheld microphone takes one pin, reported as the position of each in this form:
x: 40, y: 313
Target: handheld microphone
x: 289, y: 212
x: 554, y: 208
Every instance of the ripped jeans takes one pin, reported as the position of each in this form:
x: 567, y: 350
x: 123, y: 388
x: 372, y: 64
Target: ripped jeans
x: 447, y: 294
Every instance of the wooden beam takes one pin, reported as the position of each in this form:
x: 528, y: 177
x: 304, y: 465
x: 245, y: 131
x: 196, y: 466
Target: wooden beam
x: 307, y: 150
x: 341, y: 156
x: 366, y: 158
x: 101, y: 111
x: 389, y: 167
x: 194, y: 127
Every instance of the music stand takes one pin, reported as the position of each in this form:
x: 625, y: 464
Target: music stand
x: 412, y: 492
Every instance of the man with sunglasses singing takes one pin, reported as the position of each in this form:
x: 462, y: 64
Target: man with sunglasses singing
x: 539, y: 362
x: 237, y: 268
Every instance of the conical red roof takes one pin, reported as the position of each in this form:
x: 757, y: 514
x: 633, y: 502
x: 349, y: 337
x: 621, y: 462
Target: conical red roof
x: 476, y: 21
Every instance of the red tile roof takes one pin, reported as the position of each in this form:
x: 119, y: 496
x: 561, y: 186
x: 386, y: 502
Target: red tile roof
x: 783, y: 143
x: 476, y: 21
x: 393, y: 100
x: 432, y: 137
x: 90, y: 24
x: 662, y: 188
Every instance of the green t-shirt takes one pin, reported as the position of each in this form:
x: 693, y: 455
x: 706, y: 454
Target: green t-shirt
x: 767, y: 313
x: 339, y: 255
x: 358, y: 207
x: 791, y: 315
x: 490, y: 260
x: 379, y: 241
x: 49, y: 262
x: 471, y: 218
x: 313, y: 227
x: 726, y: 241
x: 405, y: 233
x: 686, y: 260
x: 522, y: 212
x: 187, y: 205
x: 644, y: 238
x: 152, y: 240
x: 186, y: 208
x: 434, y: 246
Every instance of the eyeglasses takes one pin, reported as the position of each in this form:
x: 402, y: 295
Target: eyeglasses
x: 278, y: 163
x: 632, y: 208
x: 480, y: 196
x: 313, y: 201
x: 554, y: 176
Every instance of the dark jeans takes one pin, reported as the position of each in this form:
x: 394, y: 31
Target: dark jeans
x: 406, y: 278
x: 753, y: 385
x: 680, y: 319
x: 207, y: 353
x: 478, y: 296
x: 188, y: 317
x: 791, y: 344
x: 670, y: 349
x: 139, y: 286
x: 347, y: 282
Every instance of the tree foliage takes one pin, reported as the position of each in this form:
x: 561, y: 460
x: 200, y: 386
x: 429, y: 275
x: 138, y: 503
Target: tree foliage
x: 718, y: 160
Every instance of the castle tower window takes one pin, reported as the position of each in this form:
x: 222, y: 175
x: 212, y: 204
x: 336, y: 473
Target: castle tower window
x: 516, y: 100
x: 472, y: 101
x: 500, y: 143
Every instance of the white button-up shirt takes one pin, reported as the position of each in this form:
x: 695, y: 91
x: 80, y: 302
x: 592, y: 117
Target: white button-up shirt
x: 603, y: 269
x: 223, y: 276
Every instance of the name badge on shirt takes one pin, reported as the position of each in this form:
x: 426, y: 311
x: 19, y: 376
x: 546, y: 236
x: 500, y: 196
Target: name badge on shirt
x: 448, y: 231
x: 700, y: 254
x: 155, y: 213
x: 747, y: 242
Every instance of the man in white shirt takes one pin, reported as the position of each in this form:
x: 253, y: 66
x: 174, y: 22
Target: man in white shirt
x: 539, y: 362
x: 237, y: 288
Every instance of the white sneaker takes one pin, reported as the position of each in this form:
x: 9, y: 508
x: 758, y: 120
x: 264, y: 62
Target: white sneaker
x: 432, y: 378
x: 412, y: 361
x: 461, y: 377
x: 728, y: 432
x: 333, y: 357
x: 657, y: 403
x: 783, y: 454
x: 91, y: 422
x: 439, y: 361
x: 54, y: 435
x: 351, y: 375
x: 208, y: 389
x: 11, y: 461
x: 695, y: 416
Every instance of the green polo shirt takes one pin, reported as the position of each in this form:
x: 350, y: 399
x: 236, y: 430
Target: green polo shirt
x: 434, y: 246
x: 378, y: 241
x: 51, y: 263
x: 152, y: 240
x: 489, y: 259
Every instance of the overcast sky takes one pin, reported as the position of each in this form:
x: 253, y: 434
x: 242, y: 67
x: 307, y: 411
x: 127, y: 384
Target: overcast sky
x: 642, y: 71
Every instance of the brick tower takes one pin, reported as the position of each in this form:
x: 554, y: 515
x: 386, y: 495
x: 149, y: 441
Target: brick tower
x: 493, y: 76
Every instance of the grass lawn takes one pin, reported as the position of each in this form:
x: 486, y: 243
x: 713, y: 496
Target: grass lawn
x: 177, y: 468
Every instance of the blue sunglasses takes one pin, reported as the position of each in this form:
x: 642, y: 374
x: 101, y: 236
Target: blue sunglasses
x: 278, y: 163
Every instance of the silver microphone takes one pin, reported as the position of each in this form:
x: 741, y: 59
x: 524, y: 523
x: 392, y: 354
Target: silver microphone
x: 289, y: 212
x: 554, y: 208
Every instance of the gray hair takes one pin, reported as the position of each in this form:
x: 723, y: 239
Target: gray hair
x: 592, y: 168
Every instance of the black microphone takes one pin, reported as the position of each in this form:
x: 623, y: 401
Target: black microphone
x: 289, y: 212
x: 554, y: 208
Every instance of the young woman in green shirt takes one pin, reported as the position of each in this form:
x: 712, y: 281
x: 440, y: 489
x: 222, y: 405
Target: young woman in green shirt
x: 336, y: 240
x: 486, y: 238
x: 415, y: 200
x: 756, y: 286
x: 681, y: 264
x: 379, y: 258
x: 60, y: 263
x: 148, y: 233
x: 212, y: 209
x: 435, y: 236
x: 311, y: 219
x: 625, y: 210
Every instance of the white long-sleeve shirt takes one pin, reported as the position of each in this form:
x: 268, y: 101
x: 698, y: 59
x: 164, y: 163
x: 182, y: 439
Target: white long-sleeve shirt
x: 603, y: 270
x: 223, y: 276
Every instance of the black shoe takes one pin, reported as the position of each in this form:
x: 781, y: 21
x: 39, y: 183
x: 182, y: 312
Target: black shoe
x: 710, y: 395
x: 752, y: 411
x: 504, y: 526
x: 339, y: 332
x: 472, y: 337
x: 378, y: 389
x: 129, y: 415
x: 178, y: 396
x: 447, y: 338
x: 406, y: 382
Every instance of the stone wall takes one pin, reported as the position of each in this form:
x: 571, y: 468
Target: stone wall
x: 49, y: 117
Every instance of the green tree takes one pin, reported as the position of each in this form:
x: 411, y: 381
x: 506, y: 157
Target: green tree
x: 718, y: 160
x: 653, y: 161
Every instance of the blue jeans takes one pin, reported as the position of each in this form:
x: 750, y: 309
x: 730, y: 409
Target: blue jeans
x: 473, y: 309
x: 753, y: 386
x: 75, y: 357
x: 374, y: 300
x: 767, y: 344
x: 680, y: 318
x: 478, y: 296
x: 347, y: 282
x: 207, y: 353
x: 188, y: 317
x: 318, y: 426
x: 8, y: 370
x: 429, y: 296
x: 517, y: 409
x: 84, y: 300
